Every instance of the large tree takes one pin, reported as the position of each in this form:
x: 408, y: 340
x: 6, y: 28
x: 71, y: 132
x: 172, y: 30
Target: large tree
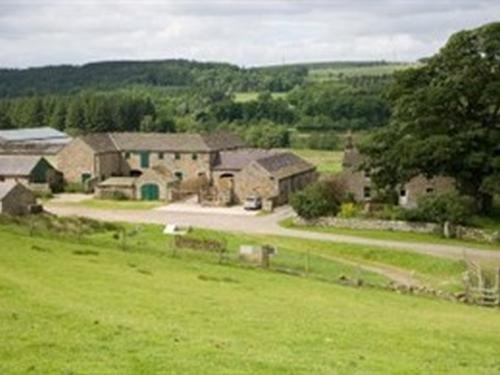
x: 446, y: 118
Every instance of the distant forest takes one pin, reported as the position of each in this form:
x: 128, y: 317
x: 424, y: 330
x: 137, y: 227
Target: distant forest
x: 181, y: 95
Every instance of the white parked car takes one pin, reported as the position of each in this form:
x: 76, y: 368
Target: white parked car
x: 253, y: 203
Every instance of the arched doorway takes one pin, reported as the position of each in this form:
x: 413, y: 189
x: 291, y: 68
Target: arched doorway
x: 135, y: 173
x: 150, y: 192
x: 226, y: 181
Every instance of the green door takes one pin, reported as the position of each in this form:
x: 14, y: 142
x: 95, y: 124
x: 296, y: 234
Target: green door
x: 150, y: 192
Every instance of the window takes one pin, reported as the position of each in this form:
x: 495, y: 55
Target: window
x: 177, y: 156
x: 429, y: 190
x: 178, y: 176
x: 160, y: 155
x: 194, y: 156
x: 367, y: 192
x: 402, y: 193
x: 367, y: 173
x: 144, y: 159
x: 127, y: 155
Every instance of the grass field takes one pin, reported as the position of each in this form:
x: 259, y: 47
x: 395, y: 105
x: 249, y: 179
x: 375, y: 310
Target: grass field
x: 329, y: 162
x: 332, y: 73
x: 242, y: 97
x: 69, y: 307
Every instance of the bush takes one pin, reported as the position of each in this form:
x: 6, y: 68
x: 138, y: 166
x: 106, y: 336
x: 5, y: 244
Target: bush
x: 117, y: 196
x: 44, y: 195
x: 349, y: 210
x: 439, y: 208
x: 74, y: 187
x: 323, y: 198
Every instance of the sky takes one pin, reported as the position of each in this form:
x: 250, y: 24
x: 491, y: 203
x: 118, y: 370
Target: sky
x: 243, y: 32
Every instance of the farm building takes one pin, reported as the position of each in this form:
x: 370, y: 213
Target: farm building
x: 43, y: 141
x: 217, y: 168
x: 96, y: 157
x: 267, y: 174
x: 15, y: 198
x: 153, y: 184
x: 33, y: 171
x: 358, y: 182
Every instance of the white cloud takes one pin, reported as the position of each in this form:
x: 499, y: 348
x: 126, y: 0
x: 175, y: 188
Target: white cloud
x: 245, y: 32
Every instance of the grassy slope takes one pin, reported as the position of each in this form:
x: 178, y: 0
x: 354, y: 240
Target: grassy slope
x: 331, y: 73
x: 143, y: 312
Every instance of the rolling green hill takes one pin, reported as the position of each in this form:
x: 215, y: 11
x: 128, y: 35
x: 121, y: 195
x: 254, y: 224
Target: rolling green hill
x: 71, y: 305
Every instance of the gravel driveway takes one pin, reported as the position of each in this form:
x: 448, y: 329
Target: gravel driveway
x: 268, y: 225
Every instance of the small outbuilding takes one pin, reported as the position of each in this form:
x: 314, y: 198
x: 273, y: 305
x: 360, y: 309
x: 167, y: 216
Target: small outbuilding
x: 33, y: 171
x: 16, y: 199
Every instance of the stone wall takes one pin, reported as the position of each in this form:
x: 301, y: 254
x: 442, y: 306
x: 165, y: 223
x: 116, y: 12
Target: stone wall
x: 400, y: 226
x: 460, y: 232
x: 74, y: 160
x: 191, y: 165
x: 108, y: 164
x: 253, y: 180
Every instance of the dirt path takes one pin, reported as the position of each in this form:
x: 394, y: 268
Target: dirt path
x: 398, y: 275
x: 267, y: 225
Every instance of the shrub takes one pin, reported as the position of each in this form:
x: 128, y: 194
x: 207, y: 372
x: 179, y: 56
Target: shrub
x: 74, y: 187
x: 44, y: 195
x: 322, y: 198
x: 439, y: 208
x: 349, y: 210
x: 118, y: 196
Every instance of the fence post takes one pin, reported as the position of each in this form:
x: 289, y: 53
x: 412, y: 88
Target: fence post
x: 307, y: 262
x: 174, y: 247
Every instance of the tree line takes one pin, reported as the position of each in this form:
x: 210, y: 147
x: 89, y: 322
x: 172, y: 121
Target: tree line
x: 167, y: 73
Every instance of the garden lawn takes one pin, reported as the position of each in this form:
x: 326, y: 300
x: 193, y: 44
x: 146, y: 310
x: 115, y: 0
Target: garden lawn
x: 80, y: 308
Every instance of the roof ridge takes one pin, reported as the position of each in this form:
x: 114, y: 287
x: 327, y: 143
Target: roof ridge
x: 113, y: 141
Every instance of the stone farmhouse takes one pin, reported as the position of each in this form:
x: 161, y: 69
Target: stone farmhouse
x: 357, y: 181
x: 16, y: 199
x: 150, y: 166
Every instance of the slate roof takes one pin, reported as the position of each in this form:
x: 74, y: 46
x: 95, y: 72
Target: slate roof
x: 19, y: 165
x: 33, y: 134
x: 168, y: 142
x: 31, y: 148
x: 6, y: 188
x: 99, y: 142
x: 284, y: 165
x: 238, y: 159
x: 223, y: 141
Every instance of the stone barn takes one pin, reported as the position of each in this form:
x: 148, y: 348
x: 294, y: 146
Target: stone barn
x: 33, y: 171
x: 270, y: 175
x: 16, y: 199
